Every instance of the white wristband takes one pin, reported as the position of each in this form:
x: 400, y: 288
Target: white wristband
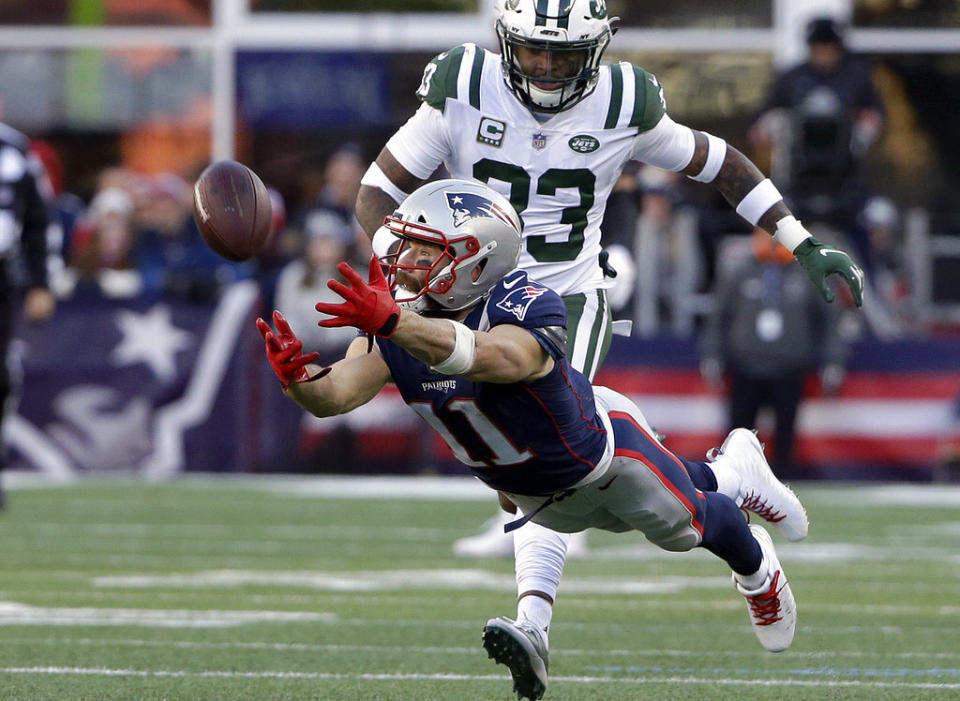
x: 464, y: 352
x: 761, y: 198
x: 716, y: 153
x: 374, y: 177
x: 790, y: 233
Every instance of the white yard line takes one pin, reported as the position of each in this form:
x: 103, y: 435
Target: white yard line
x: 582, y: 604
x: 13, y: 613
x: 100, y: 560
x: 877, y: 550
x: 732, y: 603
x: 381, y: 580
x: 903, y: 494
x: 345, y: 487
x: 217, y: 674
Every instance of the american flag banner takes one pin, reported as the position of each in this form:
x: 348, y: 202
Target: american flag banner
x: 893, y: 416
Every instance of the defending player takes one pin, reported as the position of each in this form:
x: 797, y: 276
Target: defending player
x: 546, y: 124
x: 478, y: 349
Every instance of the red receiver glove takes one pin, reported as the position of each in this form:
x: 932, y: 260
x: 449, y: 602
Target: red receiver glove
x: 368, y: 305
x: 284, y: 351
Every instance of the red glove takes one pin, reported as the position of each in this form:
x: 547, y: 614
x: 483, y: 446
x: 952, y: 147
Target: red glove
x: 284, y: 351
x: 368, y: 306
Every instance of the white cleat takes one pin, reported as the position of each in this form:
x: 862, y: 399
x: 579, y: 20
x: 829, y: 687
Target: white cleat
x: 577, y: 546
x: 490, y: 542
x: 760, y: 491
x: 521, y: 648
x: 772, y: 608
x: 493, y: 542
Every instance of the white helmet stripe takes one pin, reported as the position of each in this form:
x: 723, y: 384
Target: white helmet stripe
x: 556, y: 10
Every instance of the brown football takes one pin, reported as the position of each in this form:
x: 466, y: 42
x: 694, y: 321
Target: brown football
x: 231, y: 206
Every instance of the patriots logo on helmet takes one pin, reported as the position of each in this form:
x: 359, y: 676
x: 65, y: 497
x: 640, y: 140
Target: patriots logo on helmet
x: 520, y: 299
x: 467, y: 205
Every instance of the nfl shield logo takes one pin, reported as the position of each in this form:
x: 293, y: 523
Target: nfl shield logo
x: 539, y: 141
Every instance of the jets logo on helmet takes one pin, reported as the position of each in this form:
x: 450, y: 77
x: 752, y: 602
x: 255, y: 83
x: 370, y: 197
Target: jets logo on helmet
x: 551, y: 49
x: 519, y: 301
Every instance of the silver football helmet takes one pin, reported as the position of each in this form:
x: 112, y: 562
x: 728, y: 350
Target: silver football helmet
x: 568, y: 38
x: 478, y: 232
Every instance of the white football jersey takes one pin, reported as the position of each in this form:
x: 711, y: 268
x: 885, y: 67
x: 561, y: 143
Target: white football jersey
x: 559, y: 173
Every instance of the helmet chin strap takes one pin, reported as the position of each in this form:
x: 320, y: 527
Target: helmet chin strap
x: 544, y: 98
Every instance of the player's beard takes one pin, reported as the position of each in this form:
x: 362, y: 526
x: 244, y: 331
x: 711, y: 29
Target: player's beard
x: 409, y: 285
x: 412, y: 283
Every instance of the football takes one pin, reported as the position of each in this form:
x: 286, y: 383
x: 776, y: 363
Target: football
x: 231, y: 206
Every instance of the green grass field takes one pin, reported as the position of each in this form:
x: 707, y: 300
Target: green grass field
x: 290, y: 589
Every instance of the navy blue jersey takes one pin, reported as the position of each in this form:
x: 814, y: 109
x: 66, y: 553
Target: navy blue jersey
x: 531, y: 438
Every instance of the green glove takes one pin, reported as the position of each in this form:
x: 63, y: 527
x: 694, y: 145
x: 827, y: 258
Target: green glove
x: 820, y: 261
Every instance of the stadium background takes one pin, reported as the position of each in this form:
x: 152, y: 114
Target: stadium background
x: 162, y: 87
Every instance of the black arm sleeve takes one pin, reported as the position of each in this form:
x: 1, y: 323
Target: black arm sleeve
x: 34, y: 235
x: 553, y: 339
x: 869, y: 97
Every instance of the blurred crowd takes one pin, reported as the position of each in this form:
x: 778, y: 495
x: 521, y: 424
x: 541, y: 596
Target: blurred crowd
x: 669, y: 253
x: 668, y: 249
x: 677, y: 260
x: 137, y: 236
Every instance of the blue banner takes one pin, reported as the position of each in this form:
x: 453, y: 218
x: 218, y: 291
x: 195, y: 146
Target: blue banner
x: 150, y: 385
x: 309, y: 89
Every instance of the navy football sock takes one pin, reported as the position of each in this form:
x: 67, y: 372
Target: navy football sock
x: 701, y: 475
x: 727, y: 535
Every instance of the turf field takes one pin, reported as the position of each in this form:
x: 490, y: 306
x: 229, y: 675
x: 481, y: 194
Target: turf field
x: 314, y: 589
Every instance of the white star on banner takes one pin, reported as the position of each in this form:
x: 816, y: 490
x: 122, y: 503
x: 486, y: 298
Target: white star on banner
x: 152, y: 339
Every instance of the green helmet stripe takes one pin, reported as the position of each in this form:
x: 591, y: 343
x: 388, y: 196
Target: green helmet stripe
x: 542, y: 12
x: 476, y: 72
x: 563, y: 18
x: 616, y: 97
